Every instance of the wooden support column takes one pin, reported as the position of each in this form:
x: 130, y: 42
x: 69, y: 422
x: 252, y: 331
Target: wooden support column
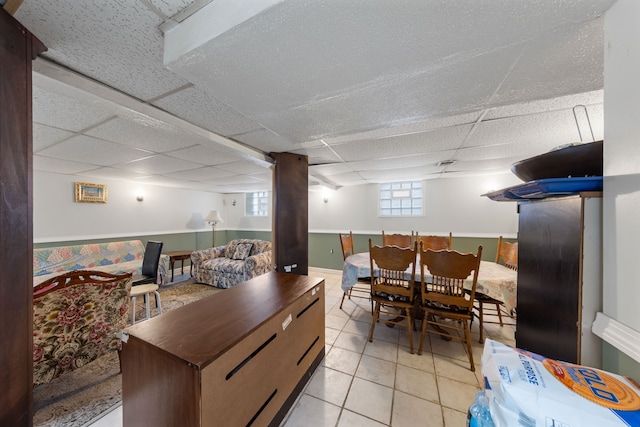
x: 18, y: 48
x: 290, y: 231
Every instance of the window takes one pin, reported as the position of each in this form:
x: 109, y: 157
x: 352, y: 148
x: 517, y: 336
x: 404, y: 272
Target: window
x: 401, y: 198
x: 257, y: 203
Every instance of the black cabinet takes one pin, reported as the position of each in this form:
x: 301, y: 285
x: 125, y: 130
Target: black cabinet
x: 560, y: 277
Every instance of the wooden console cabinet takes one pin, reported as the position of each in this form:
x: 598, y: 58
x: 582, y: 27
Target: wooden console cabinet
x: 236, y: 358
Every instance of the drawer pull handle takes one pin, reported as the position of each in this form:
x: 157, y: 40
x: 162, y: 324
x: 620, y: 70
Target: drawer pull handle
x: 251, y: 356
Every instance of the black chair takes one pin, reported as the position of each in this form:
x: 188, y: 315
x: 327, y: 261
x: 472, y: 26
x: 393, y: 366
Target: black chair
x: 150, y: 264
x: 146, y: 283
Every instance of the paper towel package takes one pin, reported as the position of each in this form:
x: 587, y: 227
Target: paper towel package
x: 526, y: 389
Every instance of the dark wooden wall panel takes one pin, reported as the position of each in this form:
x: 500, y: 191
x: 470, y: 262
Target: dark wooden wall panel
x: 17, y: 49
x: 290, y: 231
x: 549, y: 281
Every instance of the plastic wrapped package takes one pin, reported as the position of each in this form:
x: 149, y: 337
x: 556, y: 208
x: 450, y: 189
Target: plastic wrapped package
x: 526, y: 389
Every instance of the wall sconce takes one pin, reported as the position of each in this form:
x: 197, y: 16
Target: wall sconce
x: 233, y: 202
x: 325, y: 195
x: 139, y: 197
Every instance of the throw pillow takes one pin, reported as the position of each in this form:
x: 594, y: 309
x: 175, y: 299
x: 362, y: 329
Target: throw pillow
x: 242, y: 251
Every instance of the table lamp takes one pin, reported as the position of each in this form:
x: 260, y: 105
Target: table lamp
x: 213, y: 218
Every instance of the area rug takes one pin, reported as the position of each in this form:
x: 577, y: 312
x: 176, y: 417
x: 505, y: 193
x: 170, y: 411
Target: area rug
x: 78, y: 397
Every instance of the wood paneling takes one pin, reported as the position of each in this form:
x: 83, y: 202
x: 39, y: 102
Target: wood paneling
x: 17, y: 49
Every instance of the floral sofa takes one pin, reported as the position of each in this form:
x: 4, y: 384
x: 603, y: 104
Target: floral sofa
x: 112, y: 257
x: 77, y: 317
x: 237, y: 262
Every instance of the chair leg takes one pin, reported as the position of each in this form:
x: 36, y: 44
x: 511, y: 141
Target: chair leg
x: 146, y: 305
x: 467, y: 333
x: 423, y: 332
x: 480, y: 304
x: 376, y: 314
x: 133, y: 310
x: 499, y: 313
x: 410, y: 329
x: 343, y: 295
x: 158, y: 305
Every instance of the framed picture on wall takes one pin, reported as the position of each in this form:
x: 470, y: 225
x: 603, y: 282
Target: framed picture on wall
x: 91, y: 193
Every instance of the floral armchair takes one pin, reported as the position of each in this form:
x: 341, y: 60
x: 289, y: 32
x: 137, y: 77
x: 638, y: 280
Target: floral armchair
x: 76, y: 319
x: 237, y: 262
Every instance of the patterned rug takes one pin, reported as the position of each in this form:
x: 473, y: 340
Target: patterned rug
x: 76, y: 398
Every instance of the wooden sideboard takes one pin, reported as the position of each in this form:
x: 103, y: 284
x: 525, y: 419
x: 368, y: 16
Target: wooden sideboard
x: 236, y: 358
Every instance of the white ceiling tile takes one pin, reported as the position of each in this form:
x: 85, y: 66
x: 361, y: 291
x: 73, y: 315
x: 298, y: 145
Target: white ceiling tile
x: 266, y: 141
x: 62, y: 112
x: 206, y: 155
x: 114, y: 173
x: 146, y: 133
x: 158, y: 164
x: 44, y: 136
x: 93, y: 151
x: 67, y: 167
x: 208, y: 173
x: 206, y: 111
x: 245, y: 167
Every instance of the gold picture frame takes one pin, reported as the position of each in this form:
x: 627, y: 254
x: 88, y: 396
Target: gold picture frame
x: 91, y: 193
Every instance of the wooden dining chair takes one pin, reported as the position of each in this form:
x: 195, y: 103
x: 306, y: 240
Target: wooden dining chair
x: 507, y: 255
x: 391, y: 289
x: 362, y: 288
x: 399, y: 240
x: 443, y: 296
x: 435, y: 243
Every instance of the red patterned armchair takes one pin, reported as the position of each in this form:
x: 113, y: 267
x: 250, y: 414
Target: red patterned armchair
x: 76, y: 317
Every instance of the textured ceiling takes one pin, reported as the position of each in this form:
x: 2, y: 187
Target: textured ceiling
x: 196, y: 94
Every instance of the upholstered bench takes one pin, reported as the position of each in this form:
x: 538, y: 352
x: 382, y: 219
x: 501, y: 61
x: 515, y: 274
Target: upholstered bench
x: 112, y: 257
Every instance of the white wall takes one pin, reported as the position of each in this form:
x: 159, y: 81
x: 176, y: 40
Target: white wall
x: 56, y: 216
x: 621, y: 210
x: 452, y: 205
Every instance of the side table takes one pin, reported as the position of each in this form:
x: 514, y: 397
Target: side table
x: 178, y: 256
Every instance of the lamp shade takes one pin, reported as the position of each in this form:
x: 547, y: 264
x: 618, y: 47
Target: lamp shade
x: 214, y: 217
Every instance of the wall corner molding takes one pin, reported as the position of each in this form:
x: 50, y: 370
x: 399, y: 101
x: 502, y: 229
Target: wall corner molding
x: 619, y: 335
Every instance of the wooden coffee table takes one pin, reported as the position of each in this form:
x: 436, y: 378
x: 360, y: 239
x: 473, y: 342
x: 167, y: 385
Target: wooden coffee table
x: 179, y: 256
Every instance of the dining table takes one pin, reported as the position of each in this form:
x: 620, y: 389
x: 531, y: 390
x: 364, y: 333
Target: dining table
x: 494, y: 280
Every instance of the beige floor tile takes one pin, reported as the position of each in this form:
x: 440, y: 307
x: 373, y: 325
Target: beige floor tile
x: 423, y: 362
x: 384, y: 333
x: 335, y: 322
x: 411, y: 411
x: 455, y: 369
x: 342, y: 360
x: 310, y: 408
x: 453, y: 349
x: 377, y: 370
x: 456, y: 395
x: 454, y: 418
x: 351, y: 419
x: 357, y: 327
x: 340, y: 312
x: 330, y: 335
x: 349, y: 341
x: 370, y: 399
x: 329, y: 385
x: 417, y: 383
x: 382, y: 350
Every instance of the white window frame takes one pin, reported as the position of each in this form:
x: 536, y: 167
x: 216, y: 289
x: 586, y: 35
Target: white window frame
x: 262, y: 203
x: 401, y: 199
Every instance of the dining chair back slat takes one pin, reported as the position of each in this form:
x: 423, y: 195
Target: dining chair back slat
x: 443, y: 297
x: 393, y: 272
x: 399, y: 240
x: 435, y: 243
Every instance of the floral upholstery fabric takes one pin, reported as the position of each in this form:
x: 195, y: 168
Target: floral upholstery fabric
x: 216, y: 266
x: 112, y: 257
x: 75, y: 324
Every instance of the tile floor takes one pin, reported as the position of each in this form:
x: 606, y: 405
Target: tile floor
x: 379, y: 383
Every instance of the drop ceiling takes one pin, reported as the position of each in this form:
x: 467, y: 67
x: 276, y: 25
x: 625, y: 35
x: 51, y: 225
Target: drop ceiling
x: 196, y: 94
